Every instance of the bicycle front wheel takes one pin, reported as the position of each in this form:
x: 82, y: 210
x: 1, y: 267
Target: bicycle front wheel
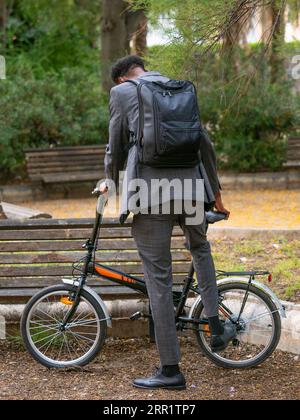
x: 258, y: 329
x: 81, y: 339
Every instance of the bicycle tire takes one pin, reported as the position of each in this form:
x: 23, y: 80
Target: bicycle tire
x: 273, y: 344
x: 28, y: 342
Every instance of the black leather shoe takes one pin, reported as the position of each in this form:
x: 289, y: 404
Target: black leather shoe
x: 220, y: 342
x: 160, y: 381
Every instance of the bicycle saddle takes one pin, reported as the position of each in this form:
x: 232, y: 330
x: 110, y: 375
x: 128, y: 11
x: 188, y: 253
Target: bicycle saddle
x: 214, y: 216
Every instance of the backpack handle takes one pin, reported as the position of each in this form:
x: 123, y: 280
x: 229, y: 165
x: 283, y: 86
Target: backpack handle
x: 172, y: 84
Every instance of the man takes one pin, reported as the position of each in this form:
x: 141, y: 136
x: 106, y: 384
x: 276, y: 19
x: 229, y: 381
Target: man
x: 152, y: 232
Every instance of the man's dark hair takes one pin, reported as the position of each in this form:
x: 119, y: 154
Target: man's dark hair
x: 124, y: 65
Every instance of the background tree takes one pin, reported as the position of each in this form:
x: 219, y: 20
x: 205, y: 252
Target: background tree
x: 137, y: 26
x: 5, y: 6
x: 266, y: 23
x: 239, y: 22
x: 53, y: 88
x: 120, y: 25
x: 114, y: 36
x: 294, y: 11
x: 277, y: 12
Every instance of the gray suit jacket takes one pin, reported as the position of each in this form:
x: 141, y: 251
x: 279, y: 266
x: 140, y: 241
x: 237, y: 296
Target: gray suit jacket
x: 124, y: 114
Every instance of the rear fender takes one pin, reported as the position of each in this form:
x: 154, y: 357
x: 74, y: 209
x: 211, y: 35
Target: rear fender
x: 243, y: 280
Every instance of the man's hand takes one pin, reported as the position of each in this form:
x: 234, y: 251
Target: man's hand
x: 219, y: 205
x: 103, y: 188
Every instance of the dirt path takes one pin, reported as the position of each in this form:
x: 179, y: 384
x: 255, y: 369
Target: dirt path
x: 110, y: 376
x: 261, y: 208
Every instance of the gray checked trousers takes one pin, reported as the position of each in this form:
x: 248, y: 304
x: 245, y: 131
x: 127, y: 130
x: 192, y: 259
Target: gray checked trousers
x: 152, y: 234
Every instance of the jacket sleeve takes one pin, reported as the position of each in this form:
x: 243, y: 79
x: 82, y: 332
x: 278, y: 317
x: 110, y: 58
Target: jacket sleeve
x: 209, y: 160
x: 115, y: 155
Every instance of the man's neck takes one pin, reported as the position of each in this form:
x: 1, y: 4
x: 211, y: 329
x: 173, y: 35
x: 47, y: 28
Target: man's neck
x: 137, y: 72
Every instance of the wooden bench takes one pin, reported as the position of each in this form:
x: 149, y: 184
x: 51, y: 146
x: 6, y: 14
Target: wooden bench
x: 37, y: 253
x: 65, y: 164
x: 293, y: 153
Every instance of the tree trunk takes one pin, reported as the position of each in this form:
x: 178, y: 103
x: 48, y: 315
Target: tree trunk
x: 278, y: 39
x: 237, y: 30
x: 137, y: 27
x: 267, y: 24
x: 114, y: 36
x: 3, y: 21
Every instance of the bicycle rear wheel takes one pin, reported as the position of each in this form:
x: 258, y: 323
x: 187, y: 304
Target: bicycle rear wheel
x: 258, y: 331
x: 80, y: 341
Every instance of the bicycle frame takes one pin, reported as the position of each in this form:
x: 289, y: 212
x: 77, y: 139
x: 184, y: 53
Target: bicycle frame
x: 133, y: 282
x: 138, y: 284
x: 111, y: 274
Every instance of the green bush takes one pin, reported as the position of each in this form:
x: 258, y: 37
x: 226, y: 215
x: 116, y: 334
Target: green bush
x: 66, y: 108
x: 250, y: 131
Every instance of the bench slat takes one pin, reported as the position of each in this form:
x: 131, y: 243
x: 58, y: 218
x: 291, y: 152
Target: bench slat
x: 108, y: 293
x: 64, y: 176
x: 13, y: 283
x: 82, y: 234
x: 292, y: 164
x: 70, y: 164
x: 292, y: 156
x: 66, y: 270
x: 84, y: 154
x: 62, y: 224
x: 72, y: 177
x: 70, y: 257
x: 38, y: 161
x: 62, y: 168
x: 65, y: 148
x: 57, y: 153
x: 69, y: 234
x: 103, y: 244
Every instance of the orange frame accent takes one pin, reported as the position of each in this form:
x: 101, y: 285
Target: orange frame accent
x: 105, y: 272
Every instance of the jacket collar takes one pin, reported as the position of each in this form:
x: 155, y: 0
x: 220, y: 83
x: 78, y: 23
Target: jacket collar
x: 151, y: 73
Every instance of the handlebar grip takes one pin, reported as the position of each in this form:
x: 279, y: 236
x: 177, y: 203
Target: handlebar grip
x: 214, y: 216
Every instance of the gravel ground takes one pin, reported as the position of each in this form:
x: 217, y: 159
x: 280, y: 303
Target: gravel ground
x: 109, y: 377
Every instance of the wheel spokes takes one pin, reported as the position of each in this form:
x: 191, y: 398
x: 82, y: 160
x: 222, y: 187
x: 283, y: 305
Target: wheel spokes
x: 255, y: 329
x: 62, y: 345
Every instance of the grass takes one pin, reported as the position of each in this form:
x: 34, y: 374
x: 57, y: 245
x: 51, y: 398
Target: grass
x: 279, y: 256
x: 248, y: 248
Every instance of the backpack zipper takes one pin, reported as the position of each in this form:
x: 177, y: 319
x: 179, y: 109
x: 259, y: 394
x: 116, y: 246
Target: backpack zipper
x: 141, y: 114
x: 156, y: 120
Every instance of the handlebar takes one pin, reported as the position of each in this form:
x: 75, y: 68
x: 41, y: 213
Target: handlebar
x: 97, y: 192
x: 214, y: 216
x: 211, y: 216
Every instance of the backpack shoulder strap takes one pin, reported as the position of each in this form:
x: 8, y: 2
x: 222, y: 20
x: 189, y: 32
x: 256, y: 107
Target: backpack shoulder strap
x: 133, y: 82
x: 138, y: 84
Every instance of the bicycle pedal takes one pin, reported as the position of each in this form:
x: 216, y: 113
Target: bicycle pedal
x: 136, y: 316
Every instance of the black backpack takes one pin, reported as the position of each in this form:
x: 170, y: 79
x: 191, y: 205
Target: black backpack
x: 169, y: 127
